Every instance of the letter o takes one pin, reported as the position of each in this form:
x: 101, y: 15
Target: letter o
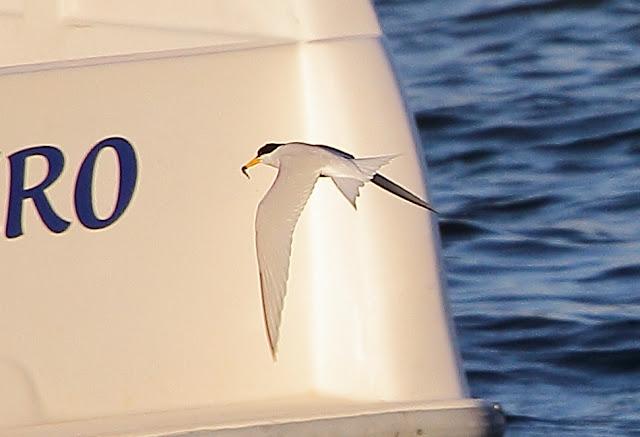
x: 84, y: 183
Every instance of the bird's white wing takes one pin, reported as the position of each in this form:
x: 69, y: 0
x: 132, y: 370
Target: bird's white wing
x: 276, y: 218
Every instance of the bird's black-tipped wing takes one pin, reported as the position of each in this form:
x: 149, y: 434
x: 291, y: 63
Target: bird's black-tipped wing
x: 396, y: 189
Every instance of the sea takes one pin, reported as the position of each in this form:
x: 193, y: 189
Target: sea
x: 528, y: 113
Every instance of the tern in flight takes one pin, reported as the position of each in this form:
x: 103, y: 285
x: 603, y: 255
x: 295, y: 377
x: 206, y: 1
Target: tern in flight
x: 299, y: 167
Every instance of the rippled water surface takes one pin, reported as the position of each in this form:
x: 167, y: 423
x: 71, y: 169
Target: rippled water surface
x: 529, y: 115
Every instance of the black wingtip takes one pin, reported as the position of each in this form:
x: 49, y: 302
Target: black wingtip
x: 393, y: 188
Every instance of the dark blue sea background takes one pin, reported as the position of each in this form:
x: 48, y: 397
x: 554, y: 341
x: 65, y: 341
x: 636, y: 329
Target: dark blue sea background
x: 529, y: 117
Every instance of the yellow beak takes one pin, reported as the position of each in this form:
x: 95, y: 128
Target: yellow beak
x: 249, y: 164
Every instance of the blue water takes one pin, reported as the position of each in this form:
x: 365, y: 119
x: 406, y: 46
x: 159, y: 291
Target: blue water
x: 529, y: 116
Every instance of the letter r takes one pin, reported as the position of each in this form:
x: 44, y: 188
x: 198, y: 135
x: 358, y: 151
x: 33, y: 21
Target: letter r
x: 18, y: 193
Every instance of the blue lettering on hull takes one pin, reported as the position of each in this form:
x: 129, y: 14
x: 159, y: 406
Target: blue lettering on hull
x: 83, y: 193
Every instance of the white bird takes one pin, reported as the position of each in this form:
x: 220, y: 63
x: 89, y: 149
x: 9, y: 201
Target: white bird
x: 299, y: 167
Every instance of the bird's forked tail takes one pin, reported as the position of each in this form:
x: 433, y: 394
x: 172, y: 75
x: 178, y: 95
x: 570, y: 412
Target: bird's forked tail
x: 350, y: 187
x: 370, y: 166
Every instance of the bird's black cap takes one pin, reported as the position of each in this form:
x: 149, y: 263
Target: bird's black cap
x: 268, y: 148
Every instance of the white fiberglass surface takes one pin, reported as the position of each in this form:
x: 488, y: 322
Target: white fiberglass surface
x: 160, y: 310
x: 35, y: 32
